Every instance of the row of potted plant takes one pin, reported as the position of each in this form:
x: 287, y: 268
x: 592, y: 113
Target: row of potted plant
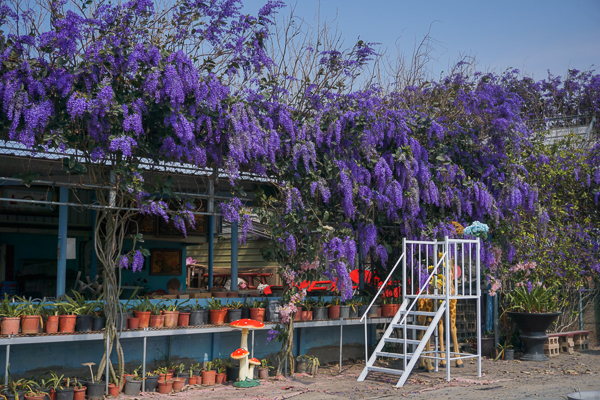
x: 319, y: 309
x: 52, y: 386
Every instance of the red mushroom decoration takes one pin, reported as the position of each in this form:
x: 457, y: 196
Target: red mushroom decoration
x: 242, y: 355
x: 253, y: 362
x: 245, y: 325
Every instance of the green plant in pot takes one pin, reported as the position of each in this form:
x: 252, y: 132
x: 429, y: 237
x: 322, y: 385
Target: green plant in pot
x: 11, y: 313
x: 533, y: 307
x: 31, y: 315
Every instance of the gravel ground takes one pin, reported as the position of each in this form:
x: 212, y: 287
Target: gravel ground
x: 501, y: 380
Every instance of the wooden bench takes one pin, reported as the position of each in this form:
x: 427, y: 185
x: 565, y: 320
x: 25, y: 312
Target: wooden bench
x: 570, y: 342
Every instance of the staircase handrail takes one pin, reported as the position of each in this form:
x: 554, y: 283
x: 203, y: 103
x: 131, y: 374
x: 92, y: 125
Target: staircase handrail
x: 381, y: 288
x: 422, y: 288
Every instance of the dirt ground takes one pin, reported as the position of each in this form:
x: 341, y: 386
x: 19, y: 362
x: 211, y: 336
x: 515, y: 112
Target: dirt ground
x: 550, y: 380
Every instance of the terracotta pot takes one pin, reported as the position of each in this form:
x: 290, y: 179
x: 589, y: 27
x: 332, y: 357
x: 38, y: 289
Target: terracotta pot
x: 51, y: 325
x: 208, y: 377
x: 171, y: 318
x: 52, y: 393
x: 178, y: 383
x: 40, y: 397
x: 133, y: 323
x: 298, y: 316
x: 157, y: 321
x: 183, y: 319
x: 66, y: 323
x: 333, y: 312
x: 168, y: 377
x: 257, y: 314
x: 30, y: 324
x: 113, y: 390
x: 217, y: 317
x: 388, y: 310
x: 165, y: 387
x: 221, y: 378
x: 379, y: 311
x: 192, y: 380
x: 308, y: 316
x: 263, y: 373
x: 10, y: 326
x: 144, y: 317
x: 79, y: 394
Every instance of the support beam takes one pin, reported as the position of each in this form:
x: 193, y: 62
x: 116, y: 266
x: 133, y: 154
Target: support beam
x: 63, y: 219
x: 234, y: 256
x: 361, y: 268
x: 211, y: 227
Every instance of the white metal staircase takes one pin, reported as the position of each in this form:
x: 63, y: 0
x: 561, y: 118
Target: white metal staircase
x: 409, y: 359
x: 442, y: 286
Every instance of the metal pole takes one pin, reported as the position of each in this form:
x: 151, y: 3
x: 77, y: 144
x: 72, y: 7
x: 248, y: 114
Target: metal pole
x: 7, y: 364
x: 366, y: 344
x: 478, y: 310
x: 341, y: 339
x: 447, y: 278
x: 144, y: 364
x: 234, y: 256
x: 63, y: 220
x: 580, y: 312
x: 106, y: 375
x: 211, y: 229
x: 252, y: 343
x: 496, y: 335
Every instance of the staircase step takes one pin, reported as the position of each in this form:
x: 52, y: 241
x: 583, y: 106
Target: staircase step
x: 425, y: 313
x: 401, y: 341
x: 417, y: 327
x: 392, y: 355
x: 387, y: 370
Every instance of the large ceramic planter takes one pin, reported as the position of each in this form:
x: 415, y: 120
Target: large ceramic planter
x: 533, y: 332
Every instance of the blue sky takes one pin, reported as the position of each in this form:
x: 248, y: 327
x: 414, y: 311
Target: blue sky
x: 531, y: 35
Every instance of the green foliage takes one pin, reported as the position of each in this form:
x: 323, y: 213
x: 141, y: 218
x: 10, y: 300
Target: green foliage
x: 539, y: 300
x: 214, y: 304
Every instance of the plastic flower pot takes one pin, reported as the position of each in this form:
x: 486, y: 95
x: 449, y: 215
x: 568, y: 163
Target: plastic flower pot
x: 197, y: 317
x: 10, y: 326
x: 245, y: 312
x: 353, y: 312
x: 387, y: 310
x: 167, y: 377
x: 133, y: 323
x: 171, y: 318
x: 133, y: 387
x: 30, y: 324
x: 51, y: 325
x: 144, y: 317
x: 234, y: 314
x: 98, y: 324
x: 509, y: 354
x: 233, y: 374
x: 208, y: 377
x: 301, y: 367
x: 84, y: 323
x: 165, y: 387
x: 374, y: 311
x: 192, y: 380
x: 379, y: 311
x: 113, y: 390
x: 66, y: 323
x: 319, y: 313
x: 151, y: 383
x: 95, y: 391
x: 65, y: 394
x: 125, y: 376
x: 121, y: 321
x: 263, y: 373
x: 257, y: 314
x: 221, y: 378
x: 362, y: 310
x: 184, y: 375
x: 344, y: 311
x: 217, y: 317
x: 157, y: 321
x: 333, y: 312
x: 32, y: 397
x: 79, y: 394
x: 183, y: 319
x: 307, y: 315
x: 178, y: 383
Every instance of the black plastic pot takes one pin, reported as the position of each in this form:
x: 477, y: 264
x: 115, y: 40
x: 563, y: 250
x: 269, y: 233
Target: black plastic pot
x: 65, y: 394
x: 533, y: 332
x: 46, y: 394
x: 362, y: 311
x: 246, y: 312
x: 84, y: 323
x: 319, y: 313
x: 98, y: 323
x: 185, y: 375
x: 233, y: 374
x: 151, y: 383
x: 344, y: 311
x: 234, y: 314
x: 9, y: 395
x: 132, y: 388
x: 198, y: 317
x: 95, y: 391
x: 121, y: 321
x: 509, y: 354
